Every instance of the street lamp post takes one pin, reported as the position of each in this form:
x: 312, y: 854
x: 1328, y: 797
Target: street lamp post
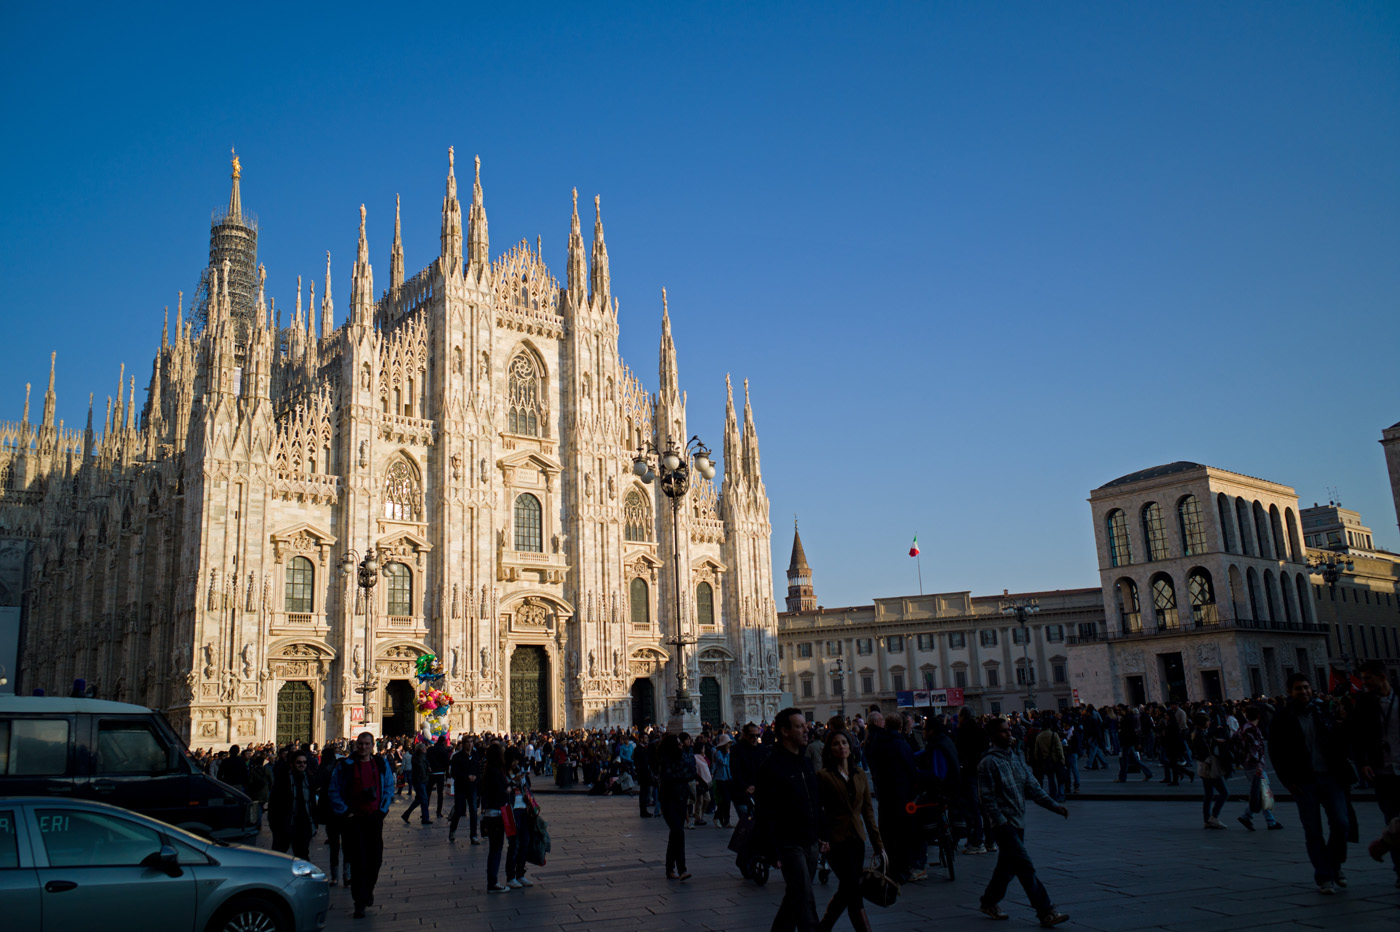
x: 673, y: 468
x: 1331, y: 568
x: 1021, y: 608
x: 838, y: 676
x: 368, y: 575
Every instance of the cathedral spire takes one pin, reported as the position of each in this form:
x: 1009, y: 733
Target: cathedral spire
x: 180, y: 317
x: 87, y: 433
x: 578, y: 271
x: 670, y: 374
x: 121, y: 384
x: 733, y: 441
x: 362, y: 285
x: 396, y: 253
x: 235, y: 200
x: 131, y: 407
x: 327, y: 305
x: 601, y: 282
x: 165, y: 329
x: 261, y: 306
x: 50, y: 400
x: 478, y: 243
x: 751, y: 467
x: 451, y: 227
x: 25, y: 418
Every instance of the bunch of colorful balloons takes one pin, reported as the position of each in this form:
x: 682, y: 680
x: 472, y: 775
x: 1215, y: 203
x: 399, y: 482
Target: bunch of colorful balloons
x: 433, y: 702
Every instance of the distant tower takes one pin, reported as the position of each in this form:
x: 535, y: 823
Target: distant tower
x: 800, y: 597
x: 233, y: 236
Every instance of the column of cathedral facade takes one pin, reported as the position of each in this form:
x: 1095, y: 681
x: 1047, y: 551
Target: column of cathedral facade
x: 474, y: 425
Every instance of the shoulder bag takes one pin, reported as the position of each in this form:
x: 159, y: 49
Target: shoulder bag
x: 876, y: 885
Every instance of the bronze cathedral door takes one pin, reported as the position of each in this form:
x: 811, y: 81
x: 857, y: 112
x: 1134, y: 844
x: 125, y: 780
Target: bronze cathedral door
x: 529, y: 690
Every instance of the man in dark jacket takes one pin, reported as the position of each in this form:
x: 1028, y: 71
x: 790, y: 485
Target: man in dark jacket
x: 418, y: 776
x: 971, y: 741
x: 744, y: 761
x: 896, y: 778
x: 362, y: 787
x: 1376, y: 737
x: 1130, y: 729
x: 439, y: 757
x: 645, y: 763
x: 466, y: 774
x: 1309, y: 756
x: 290, y: 807
x: 791, y: 827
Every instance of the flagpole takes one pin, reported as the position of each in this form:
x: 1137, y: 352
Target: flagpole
x: 920, y: 561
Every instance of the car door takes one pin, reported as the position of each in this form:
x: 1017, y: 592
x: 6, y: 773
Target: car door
x: 91, y: 872
x: 136, y: 768
x: 19, y: 883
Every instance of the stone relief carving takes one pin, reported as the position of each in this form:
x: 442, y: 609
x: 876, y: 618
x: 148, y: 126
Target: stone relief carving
x: 211, y: 657
x: 247, y: 655
x: 1131, y: 661
x: 1207, y: 655
x: 532, y: 614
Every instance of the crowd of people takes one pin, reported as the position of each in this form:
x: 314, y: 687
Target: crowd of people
x: 826, y: 793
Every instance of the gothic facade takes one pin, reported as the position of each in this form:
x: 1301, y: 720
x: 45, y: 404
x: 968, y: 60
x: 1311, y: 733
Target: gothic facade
x: 475, y: 426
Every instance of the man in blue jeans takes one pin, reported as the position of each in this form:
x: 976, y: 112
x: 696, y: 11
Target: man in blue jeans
x: 1130, y: 737
x: 1004, y: 783
x: 1309, y: 753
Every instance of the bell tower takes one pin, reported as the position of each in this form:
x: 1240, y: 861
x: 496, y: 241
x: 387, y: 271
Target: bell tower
x: 801, y: 597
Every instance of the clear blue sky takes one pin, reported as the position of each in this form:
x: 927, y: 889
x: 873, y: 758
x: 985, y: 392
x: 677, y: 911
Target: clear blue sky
x: 977, y: 259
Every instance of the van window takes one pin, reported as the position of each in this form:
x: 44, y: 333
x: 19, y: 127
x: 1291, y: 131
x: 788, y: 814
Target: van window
x: 129, y: 747
x: 9, y: 842
x: 34, y: 747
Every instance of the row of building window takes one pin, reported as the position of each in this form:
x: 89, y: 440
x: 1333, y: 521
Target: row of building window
x: 957, y: 640
x: 991, y: 676
x: 301, y: 587
x: 1385, y: 642
x: 639, y: 594
x: 1261, y: 534
x: 1333, y: 590
x: 1250, y: 599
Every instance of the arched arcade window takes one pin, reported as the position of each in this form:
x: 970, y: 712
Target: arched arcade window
x: 1201, y: 591
x: 529, y: 529
x: 1120, y: 546
x: 1164, y: 601
x: 1129, y: 608
x: 1193, y: 527
x: 1222, y: 507
x: 1154, y: 531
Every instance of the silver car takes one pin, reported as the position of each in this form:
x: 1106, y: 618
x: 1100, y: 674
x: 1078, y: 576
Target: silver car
x: 67, y: 864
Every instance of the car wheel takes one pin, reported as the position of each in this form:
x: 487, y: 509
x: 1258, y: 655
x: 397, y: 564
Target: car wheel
x: 251, y: 914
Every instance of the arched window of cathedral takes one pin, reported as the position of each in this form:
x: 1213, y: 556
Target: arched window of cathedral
x: 1193, y: 527
x: 154, y: 503
x: 300, y: 576
x: 526, y: 410
x: 1120, y: 547
x: 126, y: 518
x: 705, y: 604
x: 7, y: 475
x: 403, y: 493
x: 400, y: 589
x: 1154, y: 531
x: 529, y: 530
x: 636, y: 517
x: 640, y: 597
x: 1222, y: 508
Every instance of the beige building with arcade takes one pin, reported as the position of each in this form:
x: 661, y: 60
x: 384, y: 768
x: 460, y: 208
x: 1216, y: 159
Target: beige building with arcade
x: 1206, y: 589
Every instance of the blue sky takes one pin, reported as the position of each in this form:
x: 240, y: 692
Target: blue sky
x: 977, y: 259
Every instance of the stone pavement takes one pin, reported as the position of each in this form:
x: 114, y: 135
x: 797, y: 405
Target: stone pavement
x: 1113, y: 866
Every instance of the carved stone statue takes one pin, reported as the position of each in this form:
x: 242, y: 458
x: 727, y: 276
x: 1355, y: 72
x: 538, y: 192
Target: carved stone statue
x: 617, y: 662
x: 485, y: 661
x: 454, y: 662
x: 247, y: 655
x: 364, y: 453
x: 357, y: 661
x: 573, y: 663
x: 456, y: 466
x: 592, y: 664
x: 209, y: 664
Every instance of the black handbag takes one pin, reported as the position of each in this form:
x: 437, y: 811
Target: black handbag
x: 876, y: 885
x: 743, y: 832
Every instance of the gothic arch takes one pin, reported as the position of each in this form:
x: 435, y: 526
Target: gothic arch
x: 403, y: 489
x: 527, y: 391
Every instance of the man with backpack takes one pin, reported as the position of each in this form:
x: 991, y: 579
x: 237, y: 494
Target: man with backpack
x: 362, y: 786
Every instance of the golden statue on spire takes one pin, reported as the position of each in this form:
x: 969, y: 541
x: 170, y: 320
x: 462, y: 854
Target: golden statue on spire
x: 237, y: 169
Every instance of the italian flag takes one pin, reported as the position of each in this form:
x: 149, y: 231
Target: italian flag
x: 914, y: 550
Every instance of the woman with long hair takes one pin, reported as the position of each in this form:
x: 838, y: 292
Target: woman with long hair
x: 495, y: 795
x: 676, y: 773
x: 845, y: 797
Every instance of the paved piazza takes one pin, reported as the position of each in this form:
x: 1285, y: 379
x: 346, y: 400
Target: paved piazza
x: 1115, y: 865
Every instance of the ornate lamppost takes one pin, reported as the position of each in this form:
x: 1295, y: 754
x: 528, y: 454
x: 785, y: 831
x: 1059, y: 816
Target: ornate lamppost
x: 1331, y: 568
x: 838, y: 678
x: 1021, y: 608
x: 368, y: 575
x: 673, y: 467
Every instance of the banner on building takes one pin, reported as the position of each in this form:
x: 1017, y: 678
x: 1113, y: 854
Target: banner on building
x: 928, y: 698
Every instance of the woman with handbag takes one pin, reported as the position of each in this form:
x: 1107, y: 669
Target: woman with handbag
x: 1207, y: 746
x: 677, y: 771
x: 1252, y: 740
x: 845, y: 798
x: 495, y: 797
x: 519, y: 842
